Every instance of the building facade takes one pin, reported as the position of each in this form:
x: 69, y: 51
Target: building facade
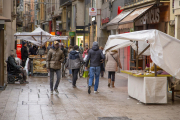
x: 7, y: 31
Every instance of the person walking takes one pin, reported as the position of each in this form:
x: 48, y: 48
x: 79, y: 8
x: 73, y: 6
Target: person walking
x: 24, y: 54
x: 53, y: 64
x: 85, y: 52
x: 74, y: 63
x: 81, y: 50
x: 69, y: 50
x: 95, y: 56
x: 102, y: 64
x: 113, y: 62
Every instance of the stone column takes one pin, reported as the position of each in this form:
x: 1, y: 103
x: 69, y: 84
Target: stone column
x: 177, y: 27
x: 1, y: 54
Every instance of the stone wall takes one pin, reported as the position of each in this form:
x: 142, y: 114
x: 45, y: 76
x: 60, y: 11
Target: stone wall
x: 1, y: 7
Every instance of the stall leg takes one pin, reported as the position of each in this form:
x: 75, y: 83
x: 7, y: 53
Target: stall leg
x: 172, y: 93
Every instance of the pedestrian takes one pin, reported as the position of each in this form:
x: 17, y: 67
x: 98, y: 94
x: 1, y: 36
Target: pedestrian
x: 85, y: 51
x: 102, y: 64
x: 95, y: 56
x: 32, y: 50
x: 74, y: 63
x: 65, y: 52
x: 24, y: 54
x: 81, y: 50
x: 113, y: 62
x: 69, y: 50
x: 49, y: 46
x: 54, y: 59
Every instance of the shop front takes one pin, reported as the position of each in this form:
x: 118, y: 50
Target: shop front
x: 147, y: 17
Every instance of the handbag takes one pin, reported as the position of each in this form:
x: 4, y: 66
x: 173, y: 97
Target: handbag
x: 85, y: 74
x: 116, y: 61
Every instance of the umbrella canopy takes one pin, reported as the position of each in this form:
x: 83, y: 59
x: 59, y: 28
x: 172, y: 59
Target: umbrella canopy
x: 39, y: 37
x: 164, y: 49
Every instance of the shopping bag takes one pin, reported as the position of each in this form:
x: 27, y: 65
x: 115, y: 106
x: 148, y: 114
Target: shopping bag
x: 85, y: 74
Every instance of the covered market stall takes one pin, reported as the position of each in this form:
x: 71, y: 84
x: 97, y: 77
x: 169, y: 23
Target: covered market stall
x: 38, y: 37
x: 150, y: 87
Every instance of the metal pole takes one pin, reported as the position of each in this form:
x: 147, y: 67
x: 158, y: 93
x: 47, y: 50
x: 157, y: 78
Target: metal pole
x: 155, y: 68
x: 137, y: 58
x: 2, y: 57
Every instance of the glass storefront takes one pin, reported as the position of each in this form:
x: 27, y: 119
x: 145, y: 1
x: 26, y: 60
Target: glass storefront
x: 79, y: 40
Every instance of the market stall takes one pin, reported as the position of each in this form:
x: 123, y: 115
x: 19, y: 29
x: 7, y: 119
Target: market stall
x: 164, y: 51
x: 38, y: 37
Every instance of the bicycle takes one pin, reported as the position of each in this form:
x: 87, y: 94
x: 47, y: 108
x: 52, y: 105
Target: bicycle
x: 81, y: 70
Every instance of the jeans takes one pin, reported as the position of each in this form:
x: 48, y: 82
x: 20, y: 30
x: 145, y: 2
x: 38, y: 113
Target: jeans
x: 94, y: 71
x: 111, y: 74
x: 70, y: 71
x: 74, y: 76
x: 58, y: 73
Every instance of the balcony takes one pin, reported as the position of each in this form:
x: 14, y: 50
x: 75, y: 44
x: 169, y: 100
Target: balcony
x: 65, y: 2
x: 132, y: 3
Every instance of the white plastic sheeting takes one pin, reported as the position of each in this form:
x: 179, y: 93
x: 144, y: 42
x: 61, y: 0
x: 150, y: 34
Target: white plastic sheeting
x: 164, y: 49
x: 37, y: 35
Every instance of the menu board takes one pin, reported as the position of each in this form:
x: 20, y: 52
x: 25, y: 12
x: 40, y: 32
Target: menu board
x: 39, y: 66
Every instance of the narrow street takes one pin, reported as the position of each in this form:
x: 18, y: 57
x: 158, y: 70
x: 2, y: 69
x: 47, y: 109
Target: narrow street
x: 33, y: 102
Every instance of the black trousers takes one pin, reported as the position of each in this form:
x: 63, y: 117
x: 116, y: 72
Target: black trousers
x: 24, y: 62
x: 74, y: 76
x: 111, y: 75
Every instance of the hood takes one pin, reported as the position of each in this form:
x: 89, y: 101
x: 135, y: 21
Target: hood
x: 74, y: 55
x: 74, y: 52
x: 95, y: 46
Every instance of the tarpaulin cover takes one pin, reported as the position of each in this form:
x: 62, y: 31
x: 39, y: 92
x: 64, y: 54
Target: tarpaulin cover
x: 37, y: 39
x: 164, y: 49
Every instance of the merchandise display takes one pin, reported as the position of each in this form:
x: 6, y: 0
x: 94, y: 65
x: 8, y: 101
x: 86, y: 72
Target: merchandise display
x: 39, y: 66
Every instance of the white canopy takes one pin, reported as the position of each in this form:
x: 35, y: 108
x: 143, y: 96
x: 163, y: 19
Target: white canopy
x: 164, y: 49
x: 35, y: 37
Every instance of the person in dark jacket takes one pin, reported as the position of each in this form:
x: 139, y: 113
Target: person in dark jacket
x: 33, y: 50
x: 24, y: 54
x: 12, y: 66
x: 95, y: 56
x: 74, y: 63
x: 65, y: 52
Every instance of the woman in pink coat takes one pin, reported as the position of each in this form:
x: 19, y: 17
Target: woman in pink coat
x: 113, y: 62
x: 85, y: 52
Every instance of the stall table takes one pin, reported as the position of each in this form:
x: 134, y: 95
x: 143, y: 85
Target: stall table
x: 147, y: 88
x: 38, y: 65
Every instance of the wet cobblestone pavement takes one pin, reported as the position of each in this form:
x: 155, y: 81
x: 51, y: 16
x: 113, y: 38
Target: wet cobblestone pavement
x: 33, y: 102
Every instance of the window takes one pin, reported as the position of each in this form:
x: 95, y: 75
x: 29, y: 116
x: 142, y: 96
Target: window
x: 103, y: 1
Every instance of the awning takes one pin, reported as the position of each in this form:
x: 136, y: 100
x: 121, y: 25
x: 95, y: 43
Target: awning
x: 5, y: 19
x: 113, y: 24
x: 135, y: 14
x: 119, y: 17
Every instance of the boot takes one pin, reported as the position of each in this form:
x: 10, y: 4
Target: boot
x: 109, y: 82
x: 113, y: 84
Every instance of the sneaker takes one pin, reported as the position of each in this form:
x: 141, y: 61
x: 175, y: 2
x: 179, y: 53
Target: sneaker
x: 51, y: 92
x: 74, y: 86
x: 57, y: 92
x: 96, y: 92
x: 89, y: 90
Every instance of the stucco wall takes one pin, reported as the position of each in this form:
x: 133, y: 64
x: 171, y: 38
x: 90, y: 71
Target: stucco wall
x: 10, y: 28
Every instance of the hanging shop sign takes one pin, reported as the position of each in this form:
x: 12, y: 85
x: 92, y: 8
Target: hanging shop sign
x: 92, y: 11
x: 151, y: 17
x: 106, y: 20
x: 72, y: 34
